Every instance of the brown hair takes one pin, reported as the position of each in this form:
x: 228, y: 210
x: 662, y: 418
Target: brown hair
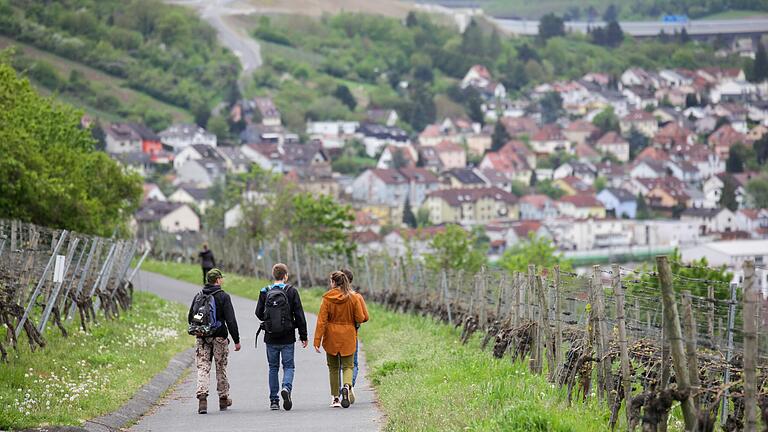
x: 348, y: 273
x: 341, y: 282
x: 279, y: 271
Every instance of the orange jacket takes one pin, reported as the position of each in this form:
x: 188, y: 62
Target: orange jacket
x: 336, y: 322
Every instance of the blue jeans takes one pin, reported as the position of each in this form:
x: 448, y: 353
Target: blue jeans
x: 274, y: 353
x: 354, y: 369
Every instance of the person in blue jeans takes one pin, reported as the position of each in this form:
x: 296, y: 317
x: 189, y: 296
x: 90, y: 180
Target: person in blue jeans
x: 350, y: 276
x: 279, y: 304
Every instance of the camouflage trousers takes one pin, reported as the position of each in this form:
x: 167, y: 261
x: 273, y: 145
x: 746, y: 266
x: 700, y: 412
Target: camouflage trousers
x: 208, y: 350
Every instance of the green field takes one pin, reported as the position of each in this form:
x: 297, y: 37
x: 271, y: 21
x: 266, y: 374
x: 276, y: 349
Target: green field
x: 427, y: 381
x: 89, y: 374
x: 112, y: 85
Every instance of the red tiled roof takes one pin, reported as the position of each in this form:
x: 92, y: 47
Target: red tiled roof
x: 653, y: 153
x: 523, y: 228
x: 548, y: 133
x: 366, y: 236
x: 582, y: 200
x: 639, y: 115
x: 449, y: 146
x: 456, y: 197
x: 581, y: 126
x: 611, y: 138
x: 536, y: 200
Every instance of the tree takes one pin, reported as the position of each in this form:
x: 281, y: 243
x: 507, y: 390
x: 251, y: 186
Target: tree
x: 343, y: 94
x: 411, y: 20
x: 472, y: 40
x: 500, y: 136
x: 494, y: 44
x: 760, y: 66
x: 453, y: 250
x: 218, y: 126
x: 606, y: 121
x: 728, y: 194
x: 643, y: 212
x: 760, y: 147
x: 50, y: 172
x: 422, y: 218
x: 637, y: 142
x: 398, y: 159
x: 611, y: 13
x: 408, y: 217
x: 758, y: 191
x: 547, y: 188
x: 474, y: 104
x: 735, y: 161
x: 551, y: 106
x: 551, y: 25
x: 600, y: 184
x: 526, y: 53
x: 322, y: 222
x: 683, y: 37
x: 539, y: 251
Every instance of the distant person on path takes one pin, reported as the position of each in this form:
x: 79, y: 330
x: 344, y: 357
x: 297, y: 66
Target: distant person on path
x: 340, y: 310
x: 209, y: 318
x: 348, y: 273
x: 207, y: 260
x: 280, y: 310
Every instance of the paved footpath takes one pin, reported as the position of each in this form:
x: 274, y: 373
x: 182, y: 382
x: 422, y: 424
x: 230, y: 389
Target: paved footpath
x: 249, y: 390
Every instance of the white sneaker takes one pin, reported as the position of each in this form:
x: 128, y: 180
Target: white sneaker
x: 351, y: 395
x: 335, y: 403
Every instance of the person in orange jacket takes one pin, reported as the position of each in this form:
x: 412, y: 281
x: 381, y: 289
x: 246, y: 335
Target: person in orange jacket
x: 340, y: 310
x: 355, y: 369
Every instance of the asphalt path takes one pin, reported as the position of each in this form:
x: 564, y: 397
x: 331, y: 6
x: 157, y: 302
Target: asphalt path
x: 217, y: 13
x: 649, y: 28
x: 249, y: 388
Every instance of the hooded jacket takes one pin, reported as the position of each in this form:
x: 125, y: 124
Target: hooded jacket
x: 299, y: 320
x: 336, y: 322
x: 225, y: 313
x: 207, y: 259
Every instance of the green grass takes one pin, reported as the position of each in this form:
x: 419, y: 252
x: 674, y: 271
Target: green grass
x: 90, y: 374
x: 111, y: 84
x: 427, y: 381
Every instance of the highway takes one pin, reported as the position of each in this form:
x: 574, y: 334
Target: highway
x: 648, y: 28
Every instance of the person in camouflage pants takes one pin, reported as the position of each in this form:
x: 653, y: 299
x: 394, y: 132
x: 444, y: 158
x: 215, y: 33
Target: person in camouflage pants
x: 208, y: 350
x: 215, y: 348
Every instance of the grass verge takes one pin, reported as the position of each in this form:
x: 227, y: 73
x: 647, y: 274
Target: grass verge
x: 90, y: 374
x: 427, y: 381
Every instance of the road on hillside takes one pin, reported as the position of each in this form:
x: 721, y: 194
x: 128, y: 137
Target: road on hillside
x: 249, y: 386
x: 217, y: 14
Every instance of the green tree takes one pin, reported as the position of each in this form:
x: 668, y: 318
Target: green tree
x: 760, y: 66
x: 551, y: 25
x: 408, y: 217
x: 736, y: 159
x: 321, y: 222
x: 453, y: 250
x: 499, y: 137
x: 643, y: 212
x: 728, y: 194
x: 398, y: 159
x: 343, y: 94
x: 637, y: 142
x: 494, y: 44
x: 422, y: 217
x: 50, y: 172
x: 611, y: 13
x: 519, y: 188
x: 758, y: 192
x: 547, y: 188
x: 539, y: 251
x: 218, y: 126
x: 551, y: 105
x: 600, y: 183
x: 760, y: 147
x: 472, y: 40
x: 606, y: 121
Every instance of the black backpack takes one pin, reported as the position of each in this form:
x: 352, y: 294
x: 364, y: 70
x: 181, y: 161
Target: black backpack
x: 204, y: 322
x: 278, y: 318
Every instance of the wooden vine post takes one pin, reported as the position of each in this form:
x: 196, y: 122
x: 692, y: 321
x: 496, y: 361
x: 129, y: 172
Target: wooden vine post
x: 558, y: 327
x: 618, y: 289
x: 689, y: 326
x: 751, y: 316
x: 675, y: 337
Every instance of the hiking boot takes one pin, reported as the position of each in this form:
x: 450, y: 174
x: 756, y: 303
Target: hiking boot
x: 335, y: 402
x: 224, y: 403
x: 352, y: 394
x: 202, y: 405
x: 345, y: 396
x: 274, y: 405
x: 287, y: 404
